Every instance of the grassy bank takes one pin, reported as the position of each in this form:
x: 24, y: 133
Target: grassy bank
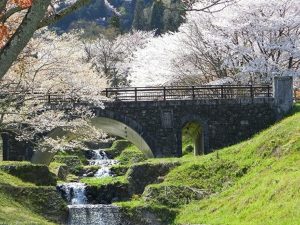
x: 269, y: 193
x: 252, y: 183
x: 11, y: 211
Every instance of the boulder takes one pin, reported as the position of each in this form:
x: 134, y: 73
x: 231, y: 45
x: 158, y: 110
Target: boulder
x: 172, y: 195
x: 142, y: 174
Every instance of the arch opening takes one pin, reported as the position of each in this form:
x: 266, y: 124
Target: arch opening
x: 122, y: 130
x: 193, y: 138
x: 110, y: 126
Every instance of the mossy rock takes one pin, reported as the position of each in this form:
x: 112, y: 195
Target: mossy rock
x: 73, y: 162
x: 117, y: 147
x: 171, y: 195
x: 61, y: 170
x: 131, y: 155
x: 119, y: 170
x: 81, y: 154
x: 136, y: 213
x: 33, y: 173
x: 45, y: 201
x: 142, y: 174
x: 108, y: 193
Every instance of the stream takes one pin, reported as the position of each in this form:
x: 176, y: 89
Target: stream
x: 82, y: 213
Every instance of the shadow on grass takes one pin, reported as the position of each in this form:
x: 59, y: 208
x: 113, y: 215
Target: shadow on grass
x: 295, y: 109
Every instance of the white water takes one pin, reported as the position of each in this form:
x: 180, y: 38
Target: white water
x: 100, y: 159
x: 75, y: 193
x: 81, y: 213
x: 94, y: 215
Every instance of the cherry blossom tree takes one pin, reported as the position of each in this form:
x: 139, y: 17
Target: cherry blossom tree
x: 112, y: 57
x: 19, y: 19
x: 249, y: 42
x: 51, y: 87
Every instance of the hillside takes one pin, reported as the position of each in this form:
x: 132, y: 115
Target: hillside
x: 137, y: 14
x: 28, y: 203
x: 254, y: 182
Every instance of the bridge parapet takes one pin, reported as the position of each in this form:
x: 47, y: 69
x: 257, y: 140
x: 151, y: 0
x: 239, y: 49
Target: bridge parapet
x: 189, y: 93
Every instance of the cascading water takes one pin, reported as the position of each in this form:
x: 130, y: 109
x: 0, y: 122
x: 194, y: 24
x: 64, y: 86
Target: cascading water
x: 81, y: 213
x: 100, y: 158
x: 74, y: 193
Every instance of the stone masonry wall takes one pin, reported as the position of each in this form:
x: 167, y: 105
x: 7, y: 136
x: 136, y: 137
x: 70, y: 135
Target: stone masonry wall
x: 224, y: 122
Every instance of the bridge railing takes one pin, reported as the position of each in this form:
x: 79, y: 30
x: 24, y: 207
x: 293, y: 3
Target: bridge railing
x: 163, y: 93
x: 189, y: 93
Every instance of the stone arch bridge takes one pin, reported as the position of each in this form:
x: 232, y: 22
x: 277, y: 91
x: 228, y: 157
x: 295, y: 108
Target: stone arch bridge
x: 155, y: 119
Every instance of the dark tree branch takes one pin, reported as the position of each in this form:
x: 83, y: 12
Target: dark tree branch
x: 9, y: 13
x: 54, y: 18
x: 10, y: 52
x: 209, y: 8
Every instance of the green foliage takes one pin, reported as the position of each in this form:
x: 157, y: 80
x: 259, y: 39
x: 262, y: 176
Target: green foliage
x: 7, y: 179
x: 117, y: 147
x: 24, y: 203
x: 256, y: 182
x: 94, y: 181
x: 189, y: 149
x: 78, y: 152
x: 209, y: 175
x: 45, y: 201
x: 268, y: 193
x: 139, y: 20
x: 172, y: 195
x: 27, y: 172
x: 61, y: 170
x: 138, y: 211
x: 156, y: 19
x: 72, y: 161
x: 115, y: 22
x: 131, y: 155
x: 12, y: 212
x: 119, y: 170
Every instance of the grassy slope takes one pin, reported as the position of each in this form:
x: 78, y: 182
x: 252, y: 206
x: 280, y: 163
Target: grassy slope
x: 269, y: 194
x: 11, y: 212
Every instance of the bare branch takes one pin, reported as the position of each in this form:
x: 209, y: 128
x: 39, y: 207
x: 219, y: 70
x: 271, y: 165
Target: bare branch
x: 56, y: 17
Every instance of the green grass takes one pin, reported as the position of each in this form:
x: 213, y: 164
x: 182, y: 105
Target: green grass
x: 131, y: 155
x: 269, y: 194
x: 94, y: 181
x: 7, y: 179
x: 256, y: 182
x: 12, y: 213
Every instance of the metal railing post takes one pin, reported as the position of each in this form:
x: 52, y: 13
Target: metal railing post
x: 222, y: 92
x: 269, y: 92
x: 251, y: 91
x: 49, y: 98
x: 164, y: 93
x: 135, y: 94
x: 106, y: 92
x: 193, y: 92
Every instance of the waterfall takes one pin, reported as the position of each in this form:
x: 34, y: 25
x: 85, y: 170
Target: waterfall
x: 94, y: 215
x: 100, y: 158
x: 74, y: 193
x: 82, y: 213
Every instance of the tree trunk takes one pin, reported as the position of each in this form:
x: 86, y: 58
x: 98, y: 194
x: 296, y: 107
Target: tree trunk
x: 22, y: 36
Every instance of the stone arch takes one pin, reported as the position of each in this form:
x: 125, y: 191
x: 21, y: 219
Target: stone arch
x: 113, y: 124
x: 201, y: 141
